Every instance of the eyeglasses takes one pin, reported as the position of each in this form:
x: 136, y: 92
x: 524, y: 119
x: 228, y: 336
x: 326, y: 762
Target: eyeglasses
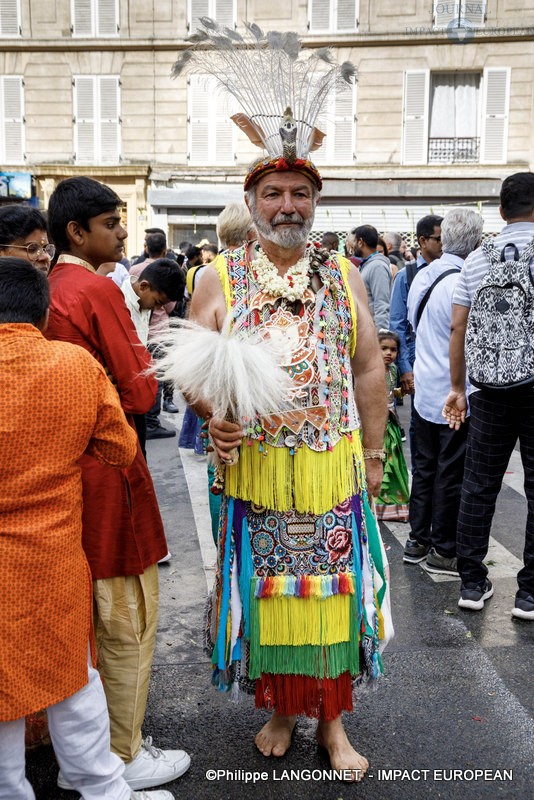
x: 35, y: 250
x: 436, y: 238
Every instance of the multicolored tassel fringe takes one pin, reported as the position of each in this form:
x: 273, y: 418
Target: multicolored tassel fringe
x: 317, y: 586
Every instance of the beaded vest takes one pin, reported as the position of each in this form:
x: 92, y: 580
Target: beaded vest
x: 319, y: 334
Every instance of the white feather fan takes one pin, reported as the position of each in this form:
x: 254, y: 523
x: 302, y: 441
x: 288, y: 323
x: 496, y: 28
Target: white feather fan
x: 237, y: 375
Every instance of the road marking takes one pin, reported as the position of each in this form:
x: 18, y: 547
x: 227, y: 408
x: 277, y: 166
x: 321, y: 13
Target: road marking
x: 196, y: 477
x: 197, y: 483
x: 501, y: 562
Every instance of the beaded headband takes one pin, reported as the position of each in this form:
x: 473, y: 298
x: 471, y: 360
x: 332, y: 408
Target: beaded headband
x: 258, y: 170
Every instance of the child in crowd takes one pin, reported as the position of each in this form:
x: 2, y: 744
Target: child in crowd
x: 392, y: 502
x: 160, y: 282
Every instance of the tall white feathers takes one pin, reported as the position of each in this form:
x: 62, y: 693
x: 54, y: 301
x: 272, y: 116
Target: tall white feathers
x: 267, y: 75
x: 239, y: 377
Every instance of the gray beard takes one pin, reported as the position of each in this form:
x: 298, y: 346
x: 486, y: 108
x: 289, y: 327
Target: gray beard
x: 284, y: 237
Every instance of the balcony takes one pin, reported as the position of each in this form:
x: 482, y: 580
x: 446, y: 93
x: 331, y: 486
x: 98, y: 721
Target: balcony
x: 454, y: 150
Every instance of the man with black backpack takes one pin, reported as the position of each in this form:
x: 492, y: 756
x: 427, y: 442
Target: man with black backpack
x: 492, y: 334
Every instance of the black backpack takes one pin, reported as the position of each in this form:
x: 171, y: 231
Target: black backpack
x: 499, y: 340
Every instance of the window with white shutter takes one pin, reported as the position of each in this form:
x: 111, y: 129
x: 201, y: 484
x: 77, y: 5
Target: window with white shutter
x: 333, y: 16
x: 415, y: 116
x: 11, y: 119
x: 339, y: 125
x: 95, y: 17
x: 474, y: 14
x: 223, y: 11
x: 97, y: 119
x: 211, y: 132
x: 495, y: 105
x: 463, y: 13
x: 442, y: 117
x: 10, y: 18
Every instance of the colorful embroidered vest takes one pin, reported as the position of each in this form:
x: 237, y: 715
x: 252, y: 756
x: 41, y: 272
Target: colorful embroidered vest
x: 298, y: 459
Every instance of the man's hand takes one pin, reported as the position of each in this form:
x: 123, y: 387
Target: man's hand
x: 455, y: 409
x: 374, y: 471
x: 226, y: 436
x: 406, y: 382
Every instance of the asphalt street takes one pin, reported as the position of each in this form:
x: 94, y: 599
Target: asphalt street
x: 452, y: 718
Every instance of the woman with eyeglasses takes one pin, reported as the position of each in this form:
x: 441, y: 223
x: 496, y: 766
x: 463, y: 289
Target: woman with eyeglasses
x: 23, y: 234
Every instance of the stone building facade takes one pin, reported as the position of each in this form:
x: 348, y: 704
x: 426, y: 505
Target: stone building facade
x: 442, y: 110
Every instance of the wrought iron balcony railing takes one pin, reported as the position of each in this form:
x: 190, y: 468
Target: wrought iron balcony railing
x: 454, y: 150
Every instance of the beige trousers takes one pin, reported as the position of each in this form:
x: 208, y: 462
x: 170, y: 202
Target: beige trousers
x: 126, y: 620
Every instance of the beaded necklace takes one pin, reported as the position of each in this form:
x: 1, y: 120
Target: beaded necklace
x: 292, y: 285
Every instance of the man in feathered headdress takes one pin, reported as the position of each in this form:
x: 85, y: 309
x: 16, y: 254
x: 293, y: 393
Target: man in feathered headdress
x: 300, y: 608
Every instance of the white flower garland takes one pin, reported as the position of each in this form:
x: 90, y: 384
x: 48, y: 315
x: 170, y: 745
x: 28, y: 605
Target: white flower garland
x: 292, y: 285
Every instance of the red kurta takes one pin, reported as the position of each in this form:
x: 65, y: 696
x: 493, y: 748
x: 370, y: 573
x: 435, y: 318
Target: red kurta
x: 55, y: 404
x: 122, y: 528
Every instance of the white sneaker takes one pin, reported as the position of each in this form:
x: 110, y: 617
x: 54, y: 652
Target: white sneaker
x: 153, y: 767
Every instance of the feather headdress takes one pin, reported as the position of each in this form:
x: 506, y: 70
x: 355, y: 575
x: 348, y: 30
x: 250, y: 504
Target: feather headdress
x: 280, y: 92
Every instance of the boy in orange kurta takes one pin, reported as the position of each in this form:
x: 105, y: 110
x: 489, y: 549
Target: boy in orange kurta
x: 56, y: 405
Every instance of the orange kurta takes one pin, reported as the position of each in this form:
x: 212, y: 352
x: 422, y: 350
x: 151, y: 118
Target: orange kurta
x: 56, y: 404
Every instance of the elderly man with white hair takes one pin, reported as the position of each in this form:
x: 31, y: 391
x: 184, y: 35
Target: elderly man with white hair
x: 440, y: 452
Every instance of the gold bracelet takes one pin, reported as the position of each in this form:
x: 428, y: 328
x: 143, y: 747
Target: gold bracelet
x: 371, y: 454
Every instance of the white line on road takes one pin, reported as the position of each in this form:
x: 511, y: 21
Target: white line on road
x: 501, y: 562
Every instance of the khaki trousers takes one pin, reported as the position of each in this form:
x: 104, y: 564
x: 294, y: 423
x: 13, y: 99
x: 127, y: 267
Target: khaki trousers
x: 126, y: 620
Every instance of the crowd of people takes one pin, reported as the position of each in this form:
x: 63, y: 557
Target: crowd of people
x: 83, y: 527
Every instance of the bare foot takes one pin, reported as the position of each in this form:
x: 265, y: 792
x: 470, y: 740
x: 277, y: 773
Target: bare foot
x: 274, y: 739
x: 343, y: 757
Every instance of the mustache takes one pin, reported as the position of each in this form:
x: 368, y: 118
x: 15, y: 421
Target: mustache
x: 284, y: 219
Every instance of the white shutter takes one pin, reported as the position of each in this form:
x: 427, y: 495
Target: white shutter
x: 9, y: 18
x: 344, y: 127
x: 12, y: 113
x: 199, y: 121
x: 108, y: 18
x: 84, y: 119
x: 109, y: 120
x: 415, y: 116
x: 474, y: 13
x: 225, y: 12
x: 337, y: 123
x: 82, y: 18
x: 222, y: 130
x: 346, y: 16
x: 495, y: 103
x: 320, y: 14
x: 444, y: 13
x: 198, y: 8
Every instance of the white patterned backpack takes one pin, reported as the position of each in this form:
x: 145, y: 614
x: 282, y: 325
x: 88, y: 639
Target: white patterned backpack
x: 499, y: 341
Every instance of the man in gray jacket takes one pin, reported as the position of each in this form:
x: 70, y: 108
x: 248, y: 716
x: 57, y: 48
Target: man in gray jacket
x: 375, y: 270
